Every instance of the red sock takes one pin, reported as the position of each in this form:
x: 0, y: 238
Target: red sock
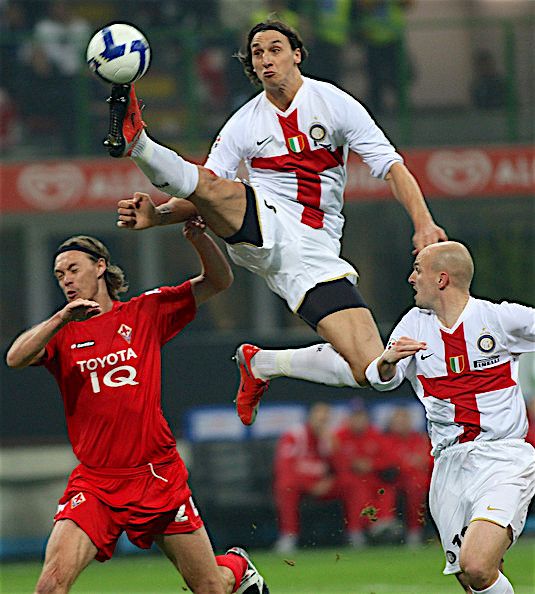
x: 236, y: 564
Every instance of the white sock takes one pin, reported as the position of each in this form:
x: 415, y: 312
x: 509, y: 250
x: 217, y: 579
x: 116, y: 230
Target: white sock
x: 501, y: 586
x: 318, y: 363
x: 166, y: 170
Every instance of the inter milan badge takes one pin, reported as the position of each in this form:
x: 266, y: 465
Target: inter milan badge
x: 126, y: 332
x: 457, y: 364
x: 486, y: 343
x: 317, y: 132
x: 77, y: 500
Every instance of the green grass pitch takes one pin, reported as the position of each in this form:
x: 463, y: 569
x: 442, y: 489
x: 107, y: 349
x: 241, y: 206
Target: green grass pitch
x: 375, y: 570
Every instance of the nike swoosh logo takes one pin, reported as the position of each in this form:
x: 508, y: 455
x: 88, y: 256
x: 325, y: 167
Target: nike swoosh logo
x: 423, y: 357
x: 267, y: 139
x: 494, y: 508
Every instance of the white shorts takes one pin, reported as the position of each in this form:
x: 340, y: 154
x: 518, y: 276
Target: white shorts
x: 294, y: 257
x: 480, y: 480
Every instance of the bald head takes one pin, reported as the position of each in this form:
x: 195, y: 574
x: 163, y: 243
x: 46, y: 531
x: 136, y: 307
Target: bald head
x: 451, y: 257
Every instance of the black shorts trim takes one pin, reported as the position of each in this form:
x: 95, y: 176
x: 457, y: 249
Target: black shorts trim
x: 327, y: 298
x: 250, y: 231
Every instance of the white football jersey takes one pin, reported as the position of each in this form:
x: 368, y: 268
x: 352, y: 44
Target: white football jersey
x: 300, y: 155
x: 467, y: 378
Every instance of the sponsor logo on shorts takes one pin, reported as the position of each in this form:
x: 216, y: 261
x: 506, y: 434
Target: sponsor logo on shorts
x: 83, y: 345
x: 480, y: 363
x: 490, y: 508
x: 486, y: 343
x: 77, y: 500
x: 451, y: 556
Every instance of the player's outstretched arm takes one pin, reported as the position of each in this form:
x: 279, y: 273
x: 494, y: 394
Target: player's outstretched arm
x: 29, y: 347
x: 140, y: 212
x: 397, y: 350
x: 407, y: 191
x: 216, y: 274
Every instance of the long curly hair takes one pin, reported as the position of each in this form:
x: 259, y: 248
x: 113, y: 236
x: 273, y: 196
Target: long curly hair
x: 245, y: 56
x: 114, y: 276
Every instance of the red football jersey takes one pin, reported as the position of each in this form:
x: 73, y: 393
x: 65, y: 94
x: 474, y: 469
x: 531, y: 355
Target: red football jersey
x: 108, y: 369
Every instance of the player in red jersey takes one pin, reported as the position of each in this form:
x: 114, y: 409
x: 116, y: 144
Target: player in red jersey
x: 105, y: 356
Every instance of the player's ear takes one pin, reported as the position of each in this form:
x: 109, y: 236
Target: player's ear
x: 297, y: 56
x: 101, y: 267
x: 443, y: 280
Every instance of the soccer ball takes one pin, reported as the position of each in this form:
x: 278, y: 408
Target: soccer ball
x: 118, y: 53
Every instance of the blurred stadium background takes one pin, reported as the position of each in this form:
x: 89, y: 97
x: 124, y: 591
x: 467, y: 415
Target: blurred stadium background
x: 461, y: 110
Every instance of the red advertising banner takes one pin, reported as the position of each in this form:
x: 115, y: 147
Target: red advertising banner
x: 97, y: 184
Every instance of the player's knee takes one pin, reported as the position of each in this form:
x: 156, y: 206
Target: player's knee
x: 213, y: 190
x: 53, y: 580
x: 477, y: 571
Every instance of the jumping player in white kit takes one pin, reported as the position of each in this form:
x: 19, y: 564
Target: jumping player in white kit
x: 461, y: 355
x: 287, y: 224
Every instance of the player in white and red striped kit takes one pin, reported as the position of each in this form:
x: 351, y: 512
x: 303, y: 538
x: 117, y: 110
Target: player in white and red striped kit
x: 286, y: 226
x: 461, y: 355
x: 105, y: 355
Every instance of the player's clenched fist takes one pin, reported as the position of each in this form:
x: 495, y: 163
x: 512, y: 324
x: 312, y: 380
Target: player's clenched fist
x: 137, y: 213
x: 194, y: 228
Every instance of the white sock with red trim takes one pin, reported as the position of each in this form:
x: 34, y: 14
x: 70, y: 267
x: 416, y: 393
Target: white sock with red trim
x: 166, y: 170
x: 318, y: 363
x: 501, y: 586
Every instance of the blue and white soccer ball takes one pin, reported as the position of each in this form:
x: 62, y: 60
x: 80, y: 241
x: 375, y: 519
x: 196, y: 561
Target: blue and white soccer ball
x: 118, y: 53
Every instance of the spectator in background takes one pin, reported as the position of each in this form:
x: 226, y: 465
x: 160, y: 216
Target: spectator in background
x: 488, y: 87
x: 381, y: 30
x: 13, y: 90
x: 410, y: 450
x: 303, y: 467
x: 57, y: 57
x: 329, y: 24
x: 360, y: 459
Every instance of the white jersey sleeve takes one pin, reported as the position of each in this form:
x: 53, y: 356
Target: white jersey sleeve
x: 364, y: 137
x: 518, y: 323
x: 227, y: 150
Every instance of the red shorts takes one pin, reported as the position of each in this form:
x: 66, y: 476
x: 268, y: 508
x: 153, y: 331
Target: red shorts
x: 142, y: 502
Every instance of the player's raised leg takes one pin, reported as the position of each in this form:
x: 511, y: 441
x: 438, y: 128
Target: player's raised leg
x: 353, y: 342
x: 220, y: 202
x: 69, y: 551
x: 354, y: 335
